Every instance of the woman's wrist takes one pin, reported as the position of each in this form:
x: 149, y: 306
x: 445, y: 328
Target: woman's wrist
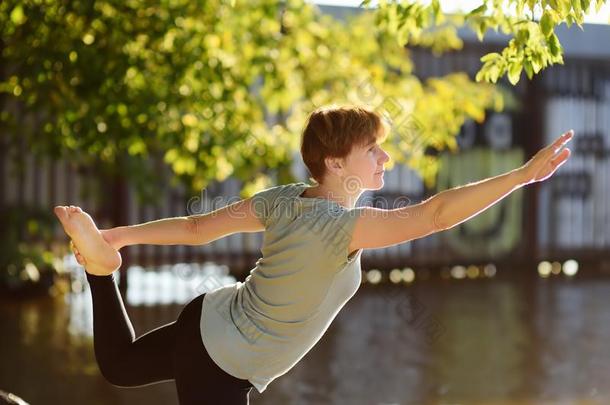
x: 521, y: 176
x: 114, y: 237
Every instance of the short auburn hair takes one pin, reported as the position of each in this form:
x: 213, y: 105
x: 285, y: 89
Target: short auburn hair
x: 333, y: 130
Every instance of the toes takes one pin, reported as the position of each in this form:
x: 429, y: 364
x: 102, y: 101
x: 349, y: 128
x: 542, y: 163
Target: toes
x: 64, y: 211
x: 75, y: 209
x: 61, y: 212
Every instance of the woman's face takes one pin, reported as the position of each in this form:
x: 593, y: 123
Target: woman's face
x: 365, y: 165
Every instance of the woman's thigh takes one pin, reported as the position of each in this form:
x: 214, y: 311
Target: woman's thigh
x: 198, y: 379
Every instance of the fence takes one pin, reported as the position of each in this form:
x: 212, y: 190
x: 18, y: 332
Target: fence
x: 574, y: 209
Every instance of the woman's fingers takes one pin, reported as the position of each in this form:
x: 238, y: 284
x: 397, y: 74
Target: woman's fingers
x: 555, y: 164
x: 548, y: 160
x: 549, y: 154
x: 562, y: 140
x: 79, y: 258
x: 562, y: 157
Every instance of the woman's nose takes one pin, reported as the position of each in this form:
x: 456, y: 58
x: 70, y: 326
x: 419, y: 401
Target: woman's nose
x: 384, y: 156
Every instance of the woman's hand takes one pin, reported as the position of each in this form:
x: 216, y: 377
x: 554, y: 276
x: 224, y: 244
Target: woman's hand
x: 109, y: 235
x: 546, y: 161
x: 79, y: 258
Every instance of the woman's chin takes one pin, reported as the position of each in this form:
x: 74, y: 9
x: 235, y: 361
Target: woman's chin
x: 377, y: 185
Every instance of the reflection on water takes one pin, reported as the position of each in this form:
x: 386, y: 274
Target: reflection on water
x: 534, y: 341
x: 177, y: 283
x: 160, y: 286
x: 572, y: 325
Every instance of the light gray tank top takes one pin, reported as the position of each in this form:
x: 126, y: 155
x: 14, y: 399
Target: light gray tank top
x: 259, y: 329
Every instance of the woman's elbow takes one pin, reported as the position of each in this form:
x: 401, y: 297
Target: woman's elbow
x: 192, y: 230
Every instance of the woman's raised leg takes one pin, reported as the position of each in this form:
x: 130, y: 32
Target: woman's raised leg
x: 123, y: 360
x: 173, y: 351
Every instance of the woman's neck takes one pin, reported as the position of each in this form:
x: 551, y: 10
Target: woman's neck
x: 342, y: 198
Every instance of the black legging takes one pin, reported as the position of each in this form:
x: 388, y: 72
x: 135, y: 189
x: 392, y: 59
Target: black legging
x: 171, y: 352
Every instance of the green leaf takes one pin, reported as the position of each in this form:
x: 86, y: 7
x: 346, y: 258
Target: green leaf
x: 402, y: 36
x: 481, y: 27
x: 523, y: 35
x: 554, y: 45
x: 536, y: 63
x: 563, y: 7
x: 527, y: 65
x: 392, y: 19
x: 17, y: 15
x: 514, y: 73
x: 479, y: 10
x: 436, y: 8
x: 547, y: 24
x: 494, y: 72
x: 490, y: 56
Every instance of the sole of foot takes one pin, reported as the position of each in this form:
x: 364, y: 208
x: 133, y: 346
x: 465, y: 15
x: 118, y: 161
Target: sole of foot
x: 101, y: 258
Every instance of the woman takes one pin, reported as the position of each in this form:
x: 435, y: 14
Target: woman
x: 247, y: 334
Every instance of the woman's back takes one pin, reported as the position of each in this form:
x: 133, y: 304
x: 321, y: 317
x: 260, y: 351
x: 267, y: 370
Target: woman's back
x: 259, y: 329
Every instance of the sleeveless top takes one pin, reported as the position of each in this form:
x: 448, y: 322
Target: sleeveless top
x: 259, y: 329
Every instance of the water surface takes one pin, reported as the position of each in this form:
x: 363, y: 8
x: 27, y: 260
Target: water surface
x: 492, y: 341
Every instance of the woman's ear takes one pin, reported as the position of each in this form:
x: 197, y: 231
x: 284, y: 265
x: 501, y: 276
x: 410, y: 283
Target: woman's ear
x: 334, y: 165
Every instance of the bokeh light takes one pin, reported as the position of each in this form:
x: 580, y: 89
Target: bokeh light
x: 544, y: 269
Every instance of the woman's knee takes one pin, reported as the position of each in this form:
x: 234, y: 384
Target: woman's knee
x: 115, y: 373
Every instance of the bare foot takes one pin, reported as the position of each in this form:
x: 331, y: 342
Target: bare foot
x: 101, y: 258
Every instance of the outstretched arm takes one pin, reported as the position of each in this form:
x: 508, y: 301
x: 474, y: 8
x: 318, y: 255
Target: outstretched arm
x: 462, y: 203
x: 377, y: 228
x: 187, y: 230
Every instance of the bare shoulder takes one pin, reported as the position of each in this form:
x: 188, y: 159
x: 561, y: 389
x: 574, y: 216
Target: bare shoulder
x: 378, y: 228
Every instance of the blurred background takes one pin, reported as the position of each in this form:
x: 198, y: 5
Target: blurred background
x: 137, y: 111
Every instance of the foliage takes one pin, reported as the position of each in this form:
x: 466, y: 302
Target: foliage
x: 24, y: 259
x: 222, y: 88
x: 530, y: 24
